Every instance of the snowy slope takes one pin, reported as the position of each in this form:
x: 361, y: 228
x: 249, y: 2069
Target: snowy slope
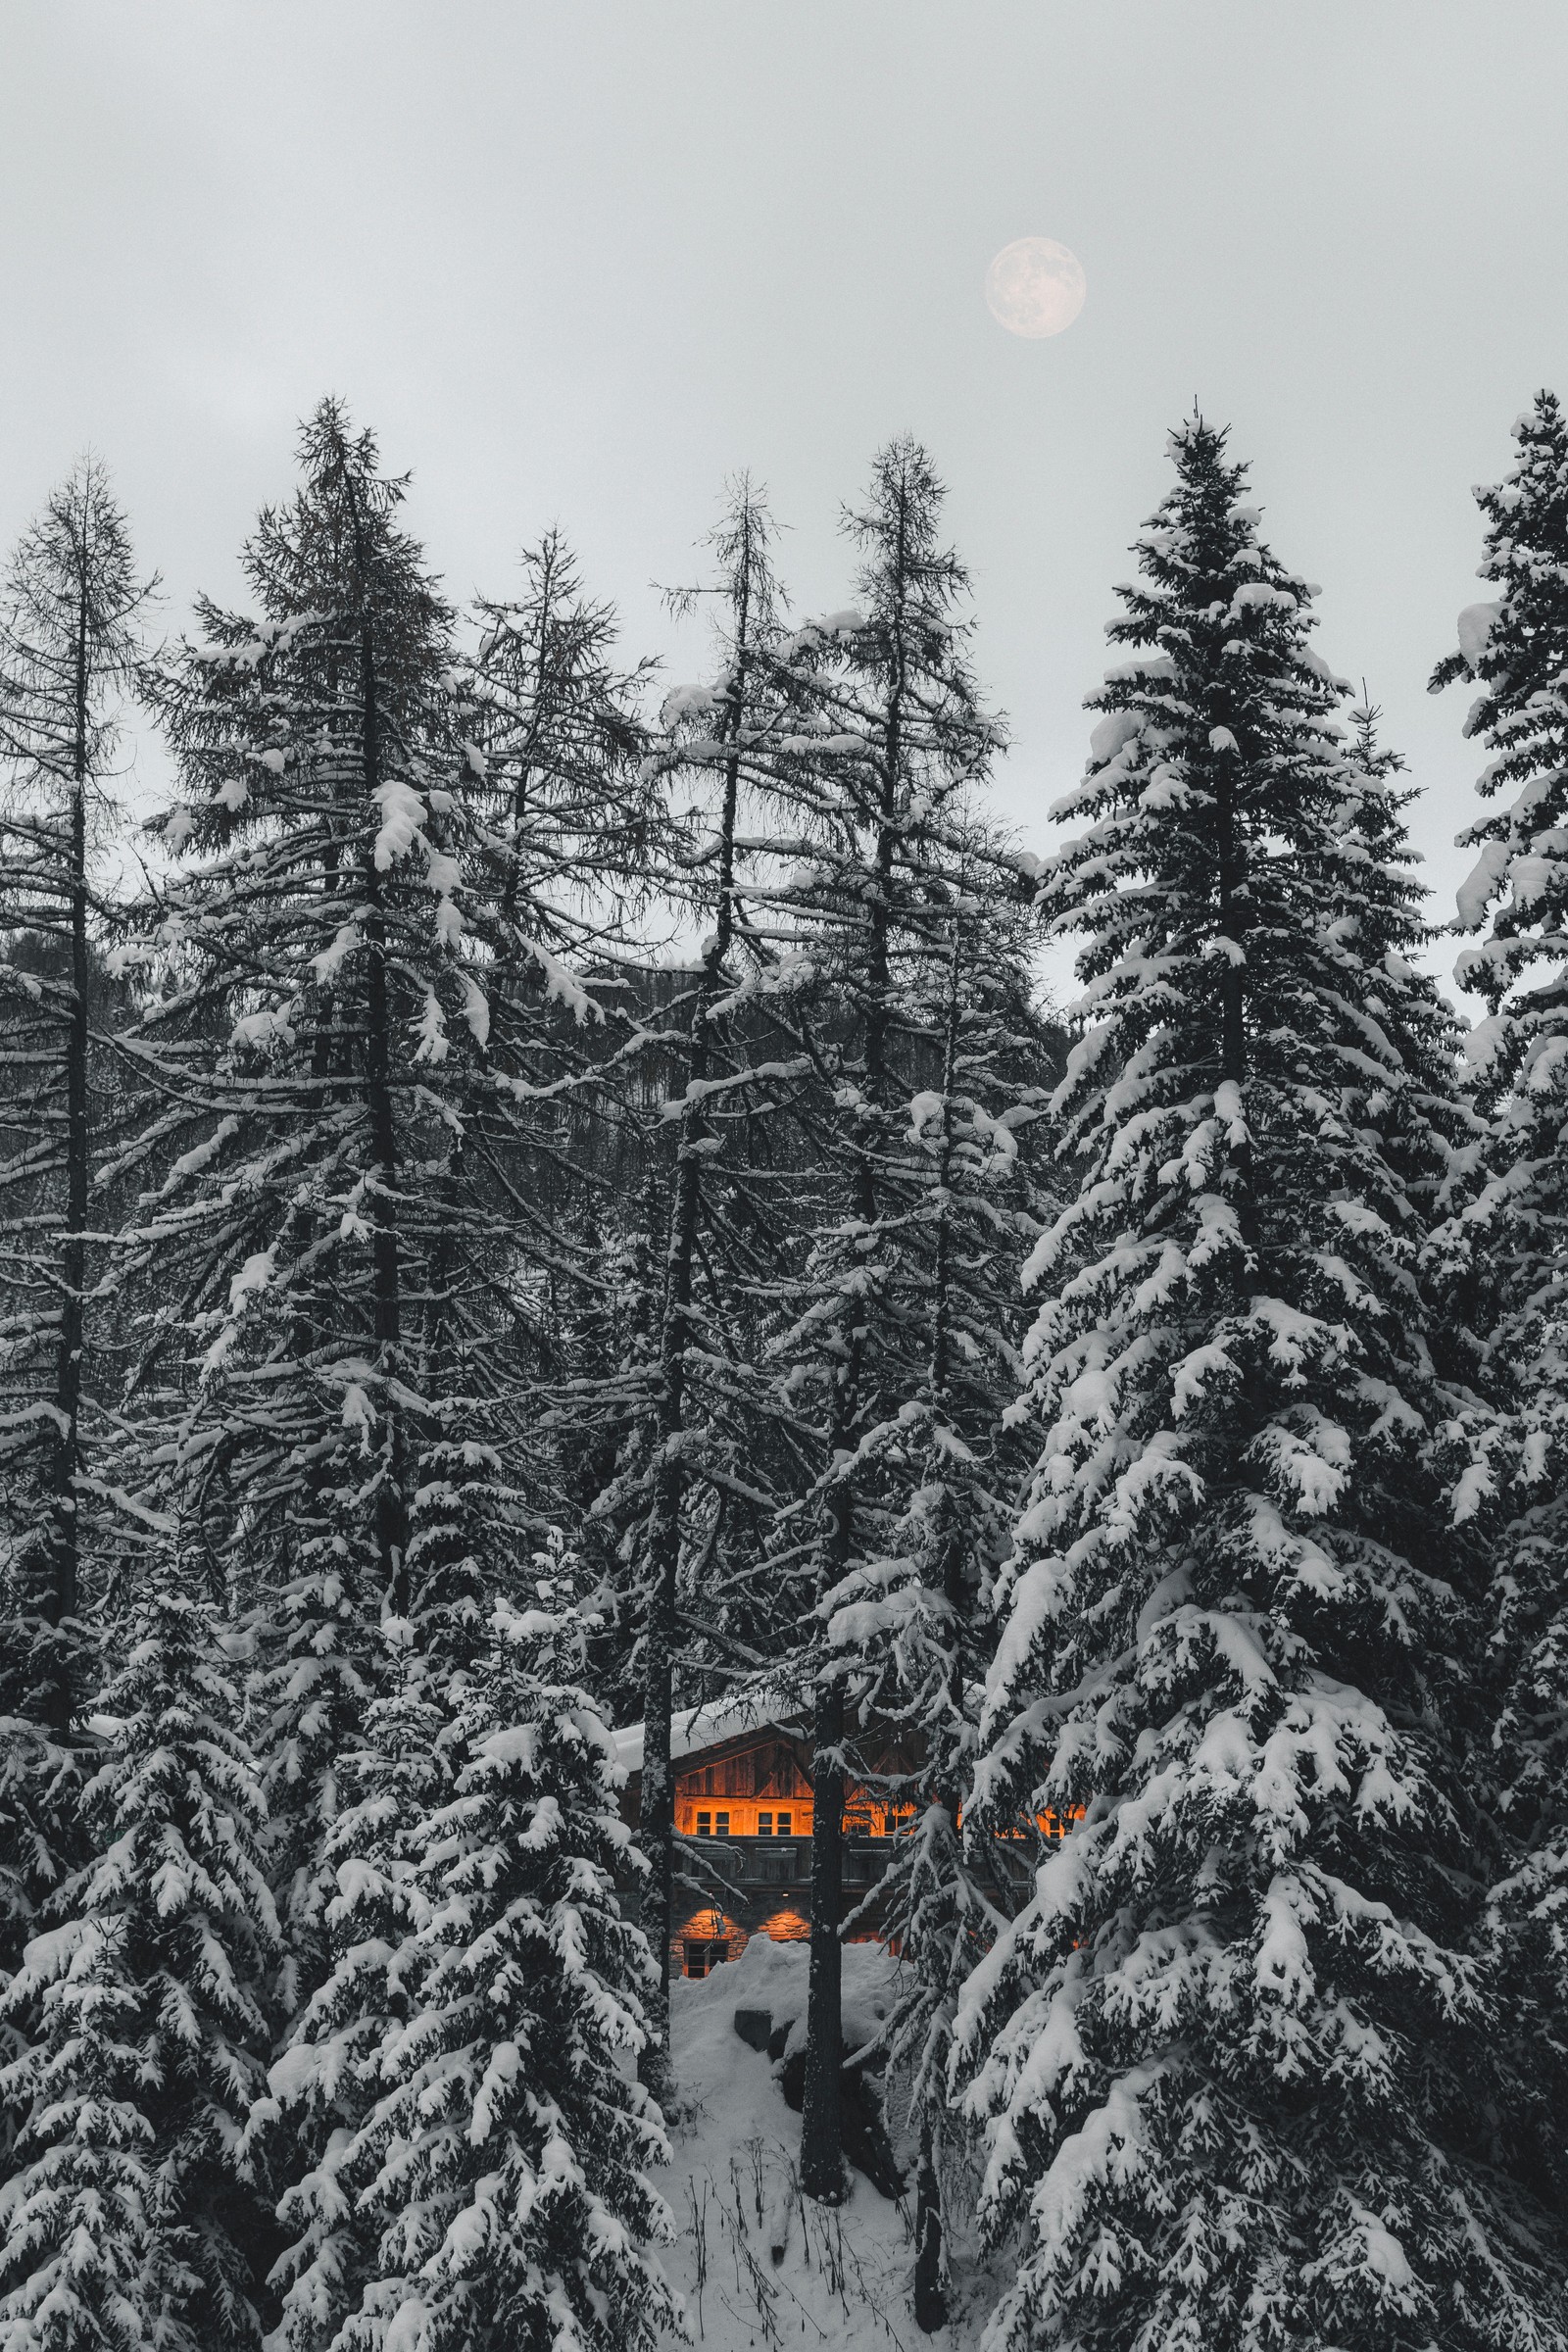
x: 755, y: 2266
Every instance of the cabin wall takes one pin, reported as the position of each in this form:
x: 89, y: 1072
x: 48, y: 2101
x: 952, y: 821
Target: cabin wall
x: 751, y: 1799
x: 746, y: 1805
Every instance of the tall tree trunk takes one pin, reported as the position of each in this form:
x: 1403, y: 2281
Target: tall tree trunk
x: 390, y: 1511
x: 656, y: 1816
x: 1232, y: 918
x: 930, y: 2299
x: 63, y: 1536
x: 822, y: 2105
x: 822, y: 2109
x: 930, y: 2302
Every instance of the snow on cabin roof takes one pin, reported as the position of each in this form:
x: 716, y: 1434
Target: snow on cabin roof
x: 708, y: 1726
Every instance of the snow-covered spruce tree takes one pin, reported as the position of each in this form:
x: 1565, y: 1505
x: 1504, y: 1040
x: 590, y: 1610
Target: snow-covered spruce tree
x: 600, y: 1425
x: 328, y: 2082
x: 506, y: 2165
x: 71, y: 610
x: 886, y: 742
x: 127, y: 2218
x: 1516, y: 1227
x: 41, y: 1842
x: 1234, y: 2053
x: 308, y: 925
x: 917, y: 1626
x: 1425, y: 1117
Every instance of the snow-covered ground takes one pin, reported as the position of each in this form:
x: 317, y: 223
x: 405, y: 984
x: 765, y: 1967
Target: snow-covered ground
x: 755, y: 2265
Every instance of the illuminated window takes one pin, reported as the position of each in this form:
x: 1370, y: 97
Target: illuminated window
x: 723, y: 1829
x: 705, y: 1825
x: 765, y: 1825
x: 786, y: 1822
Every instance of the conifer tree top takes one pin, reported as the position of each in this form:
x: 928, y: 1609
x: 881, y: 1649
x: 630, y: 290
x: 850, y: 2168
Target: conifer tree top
x: 1515, y: 649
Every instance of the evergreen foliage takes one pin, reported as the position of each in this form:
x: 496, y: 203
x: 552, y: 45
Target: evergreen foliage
x: 327, y: 2084
x: 1513, y: 1231
x: 542, y: 1212
x: 362, y: 991
x: 697, y: 1480
x: 506, y: 2165
x: 1228, y: 2051
x: 313, y: 941
x: 887, y: 747
x: 71, y: 613
x: 128, y: 2217
x: 917, y: 1624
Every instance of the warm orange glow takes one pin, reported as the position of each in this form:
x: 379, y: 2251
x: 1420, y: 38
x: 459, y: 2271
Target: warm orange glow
x: 706, y: 1938
x: 865, y: 1816
x: 724, y: 1817
x: 1050, y: 1824
x: 701, y: 1813
x: 763, y: 1791
x: 786, y: 1927
x: 709, y: 1937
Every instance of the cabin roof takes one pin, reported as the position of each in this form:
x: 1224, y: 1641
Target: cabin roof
x: 717, y: 1722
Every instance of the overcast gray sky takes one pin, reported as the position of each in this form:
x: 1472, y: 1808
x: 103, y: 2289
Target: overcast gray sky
x: 576, y: 260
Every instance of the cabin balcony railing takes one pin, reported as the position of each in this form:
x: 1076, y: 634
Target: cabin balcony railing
x: 787, y: 1861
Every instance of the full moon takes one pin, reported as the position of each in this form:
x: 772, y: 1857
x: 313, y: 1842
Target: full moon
x: 1035, y: 287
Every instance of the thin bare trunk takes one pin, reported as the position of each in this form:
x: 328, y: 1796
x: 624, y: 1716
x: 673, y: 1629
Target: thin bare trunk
x: 657, y: 1821
x: 1232, y: 918
x: 390, y: 1531
x: 821, y: 2115
x: 63, y: 1536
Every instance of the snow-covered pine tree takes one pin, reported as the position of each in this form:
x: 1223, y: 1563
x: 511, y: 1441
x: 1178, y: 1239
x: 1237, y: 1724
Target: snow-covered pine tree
x: 371, y: 1041
x: 506, y: 2167
x: 1513, y: 1230
x: 344, y: 1200
x: 600, y: 1425
x: 560, y: 743
x: 917, y: 1626
x: 310, y: 947
x: 328, y: 2082
x: 1381, y: 919
x: 127, y: 2218
x: 570, y: 833
x: 72, y: 612
x: 574, y: 832
x: 41, y: 1842
x: 886, y: 742
x: 1232, y: 2053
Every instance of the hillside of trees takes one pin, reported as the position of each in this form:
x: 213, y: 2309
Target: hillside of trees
x: 533, y: 1196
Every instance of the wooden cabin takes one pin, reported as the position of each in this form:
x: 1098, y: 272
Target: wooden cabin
x: 743, y: 1796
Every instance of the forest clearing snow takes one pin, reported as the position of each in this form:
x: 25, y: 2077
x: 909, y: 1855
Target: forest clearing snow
x: 755, y: 2264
